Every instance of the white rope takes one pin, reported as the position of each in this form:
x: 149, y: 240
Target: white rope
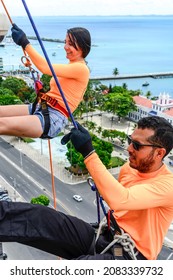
x: 102, y: 225
x: 124, y: 239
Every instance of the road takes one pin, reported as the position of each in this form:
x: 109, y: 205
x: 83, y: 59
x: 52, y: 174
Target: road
x: 30, y: 180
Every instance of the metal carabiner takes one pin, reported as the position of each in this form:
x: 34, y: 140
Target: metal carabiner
x: 25, y: 60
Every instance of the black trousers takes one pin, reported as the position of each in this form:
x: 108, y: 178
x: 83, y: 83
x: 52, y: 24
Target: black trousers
x: 52, y: 231
x: 47, y: 229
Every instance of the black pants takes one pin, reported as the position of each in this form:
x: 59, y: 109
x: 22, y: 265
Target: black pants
x: 47, y: 229
x: 52, y: 231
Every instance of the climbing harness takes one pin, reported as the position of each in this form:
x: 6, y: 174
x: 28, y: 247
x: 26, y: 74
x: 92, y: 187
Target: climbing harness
x: 120, y: 241
x: 38, y: 85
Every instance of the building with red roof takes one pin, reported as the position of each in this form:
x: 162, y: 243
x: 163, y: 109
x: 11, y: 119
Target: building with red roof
x: 162, y: 107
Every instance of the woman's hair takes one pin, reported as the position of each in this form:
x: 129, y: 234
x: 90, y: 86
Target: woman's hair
x: 80, y: 37
x: 163, y: 131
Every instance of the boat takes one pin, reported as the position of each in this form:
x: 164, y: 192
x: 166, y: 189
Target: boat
x: 145, y: 84
x: 2, y: 45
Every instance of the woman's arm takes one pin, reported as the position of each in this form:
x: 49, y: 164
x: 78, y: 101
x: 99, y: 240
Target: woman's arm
x: 72, y: 70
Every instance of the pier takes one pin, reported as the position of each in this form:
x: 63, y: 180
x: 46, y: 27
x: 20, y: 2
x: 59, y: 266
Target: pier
x: 157, y: 75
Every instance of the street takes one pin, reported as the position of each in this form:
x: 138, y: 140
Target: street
x: 29, y: 179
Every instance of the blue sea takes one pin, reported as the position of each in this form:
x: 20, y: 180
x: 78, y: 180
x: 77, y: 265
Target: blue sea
x: 133, y: 44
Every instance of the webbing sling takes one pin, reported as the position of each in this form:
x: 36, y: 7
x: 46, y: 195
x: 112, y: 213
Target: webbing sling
x: 39, y: 91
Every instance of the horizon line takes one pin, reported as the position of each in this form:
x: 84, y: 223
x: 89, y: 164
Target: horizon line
x: 113, y: 15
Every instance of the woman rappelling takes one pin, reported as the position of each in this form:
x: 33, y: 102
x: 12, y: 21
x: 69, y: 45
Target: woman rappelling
x: 22, y: 120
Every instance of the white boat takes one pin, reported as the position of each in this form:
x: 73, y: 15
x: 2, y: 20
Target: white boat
x: 2, y: 45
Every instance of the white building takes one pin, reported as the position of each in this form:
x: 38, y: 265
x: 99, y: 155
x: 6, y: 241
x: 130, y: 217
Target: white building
x: 162, y: 107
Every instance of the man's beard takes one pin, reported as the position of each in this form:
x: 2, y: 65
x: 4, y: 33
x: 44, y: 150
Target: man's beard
x: 145, y: 164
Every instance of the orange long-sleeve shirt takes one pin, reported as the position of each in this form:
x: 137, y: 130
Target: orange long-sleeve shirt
x: 142, y: 202
x: 73, y: 78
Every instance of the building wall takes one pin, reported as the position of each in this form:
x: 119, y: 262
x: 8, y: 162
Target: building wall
x: 158, y: 108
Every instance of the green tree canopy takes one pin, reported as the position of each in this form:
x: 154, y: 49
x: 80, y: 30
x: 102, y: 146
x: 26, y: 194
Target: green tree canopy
x: 119, y: 103
x: 103, y: 149
x: 42, y: 199
x: 9, y: 99
x: 14, y: 84
x: 4, y: 91
x: 46, y: 82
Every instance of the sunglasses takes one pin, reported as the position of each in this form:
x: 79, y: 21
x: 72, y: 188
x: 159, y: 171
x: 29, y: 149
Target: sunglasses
x: 137, y: 146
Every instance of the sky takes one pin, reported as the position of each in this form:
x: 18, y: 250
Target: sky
x: 88, y: 7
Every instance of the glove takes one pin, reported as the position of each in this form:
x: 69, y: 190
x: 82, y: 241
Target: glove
x: 80, y: 139
x: 19, y: 37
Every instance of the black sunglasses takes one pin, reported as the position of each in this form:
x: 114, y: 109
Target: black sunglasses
x: 137, y: 146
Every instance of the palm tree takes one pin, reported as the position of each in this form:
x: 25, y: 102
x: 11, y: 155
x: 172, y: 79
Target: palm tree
x: 148, y: 94
x: 115, y: 71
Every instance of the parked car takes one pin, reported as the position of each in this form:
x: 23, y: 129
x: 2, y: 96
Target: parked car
x: 77, y: 197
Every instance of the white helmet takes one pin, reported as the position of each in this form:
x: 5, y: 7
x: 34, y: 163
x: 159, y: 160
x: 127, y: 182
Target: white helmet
x: 4, y: 26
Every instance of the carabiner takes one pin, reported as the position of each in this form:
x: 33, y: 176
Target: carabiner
x: 25, y: 60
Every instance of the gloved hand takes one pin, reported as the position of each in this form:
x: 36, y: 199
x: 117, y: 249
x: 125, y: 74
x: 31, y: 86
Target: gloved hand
x: 80, y: 139
x: 19, y: 37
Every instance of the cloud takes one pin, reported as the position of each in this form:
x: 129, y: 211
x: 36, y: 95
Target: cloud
x: 90, y: 7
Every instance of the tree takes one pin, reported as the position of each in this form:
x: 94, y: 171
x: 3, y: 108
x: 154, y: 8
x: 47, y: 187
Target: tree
x: 1, y: 79
x: 9, y: 99
x: 115, y: 71
x: 124, y: 86
x: 148, y: 94
x: 103, y: 149
x: 4, y: 91
x: 46, y: 82
x: 42, y: 199
x: 119, y: 103
x: 13, y: 84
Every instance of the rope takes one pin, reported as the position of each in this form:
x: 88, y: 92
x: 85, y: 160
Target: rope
x: 7, y: 12
x: 52, y: 174
x: 49, y: 63
x: 124, y: 239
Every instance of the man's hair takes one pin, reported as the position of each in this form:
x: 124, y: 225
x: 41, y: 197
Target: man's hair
x: 163, y: 131
x: 81, y: 37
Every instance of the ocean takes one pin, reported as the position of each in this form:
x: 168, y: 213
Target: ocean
x: 133, y: 44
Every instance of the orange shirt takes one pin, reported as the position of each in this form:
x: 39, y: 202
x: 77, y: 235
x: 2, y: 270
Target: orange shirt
x: 73, y: 78
x: 142, y: 202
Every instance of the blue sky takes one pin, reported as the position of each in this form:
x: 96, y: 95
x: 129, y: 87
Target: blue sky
x: 89, y: 7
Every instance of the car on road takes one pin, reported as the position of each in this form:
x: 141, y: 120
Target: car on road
x: 77, y: 197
